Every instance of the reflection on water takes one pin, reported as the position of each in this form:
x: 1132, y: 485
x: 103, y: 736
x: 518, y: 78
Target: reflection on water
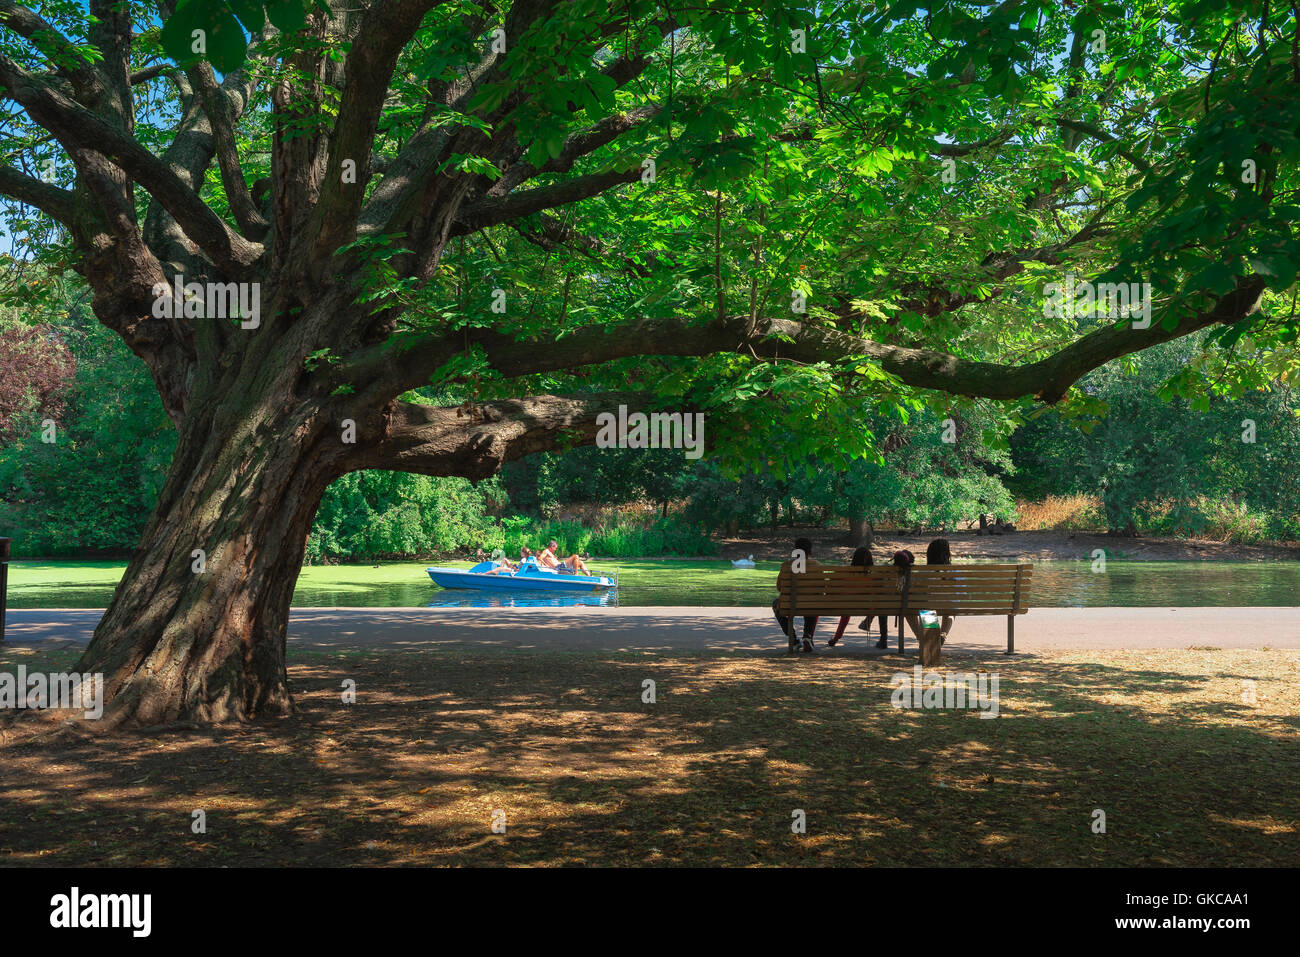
x: 1057, y: 584
x: 468, y: 598
x: 650, y: 582
x: 1054, y: 585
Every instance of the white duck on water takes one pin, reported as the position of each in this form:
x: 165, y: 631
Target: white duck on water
x: 743, y: 562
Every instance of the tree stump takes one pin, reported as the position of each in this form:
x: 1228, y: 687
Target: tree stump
x: 931, y: 648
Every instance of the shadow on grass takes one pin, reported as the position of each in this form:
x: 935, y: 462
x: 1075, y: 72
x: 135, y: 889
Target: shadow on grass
x: 562, y: 748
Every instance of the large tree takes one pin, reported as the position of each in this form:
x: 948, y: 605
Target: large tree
x: 540, y: 210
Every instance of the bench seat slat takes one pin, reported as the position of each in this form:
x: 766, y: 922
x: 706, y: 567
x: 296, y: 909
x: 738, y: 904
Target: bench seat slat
x: 866, y: 588
x: 831, y: 610
x: 998, y: 571
x: 812, y: 584
x: 913, y: 597
x: 856, y: 611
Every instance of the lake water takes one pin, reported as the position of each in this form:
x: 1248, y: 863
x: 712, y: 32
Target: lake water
x: 648, y: 583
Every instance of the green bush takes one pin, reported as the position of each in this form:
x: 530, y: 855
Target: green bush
x: 620, y: 540
x: 375, y: 514
x: 1220, y: 518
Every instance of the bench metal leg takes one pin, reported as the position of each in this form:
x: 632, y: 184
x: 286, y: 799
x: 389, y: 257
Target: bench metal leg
x: 1011, y: 634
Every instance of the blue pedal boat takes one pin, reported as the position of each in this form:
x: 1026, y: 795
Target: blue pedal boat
x: 528, y: 577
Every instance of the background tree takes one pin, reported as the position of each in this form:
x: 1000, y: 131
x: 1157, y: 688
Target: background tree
x: 34, y: 366
x: 95, y: 484
x: 1173, y: 443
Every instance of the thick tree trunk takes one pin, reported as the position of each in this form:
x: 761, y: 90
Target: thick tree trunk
x: 860, y: 532
x: 206, y: 642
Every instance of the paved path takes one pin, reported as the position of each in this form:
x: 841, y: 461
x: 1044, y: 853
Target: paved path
x: 733, y: 629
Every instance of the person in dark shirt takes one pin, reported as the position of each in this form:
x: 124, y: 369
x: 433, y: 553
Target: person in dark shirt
x: 783, y: 576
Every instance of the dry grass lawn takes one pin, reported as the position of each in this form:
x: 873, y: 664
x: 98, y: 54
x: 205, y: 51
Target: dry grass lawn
x: 586, y: 773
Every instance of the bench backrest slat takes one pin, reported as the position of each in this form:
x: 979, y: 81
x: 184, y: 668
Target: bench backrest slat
x: 947, y: 589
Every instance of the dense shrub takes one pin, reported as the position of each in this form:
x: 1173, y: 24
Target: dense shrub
x: 624, y: 539
x: 372, y: 514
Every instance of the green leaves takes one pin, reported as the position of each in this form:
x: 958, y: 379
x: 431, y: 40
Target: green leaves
x: 1217, y: 278
x: 1278, y: 265
x: 488, y: 98
x: 202, y: 31
x: 287, y: 15
x: 249, y: 13
x: 314, y: 359
x: 217, y: 30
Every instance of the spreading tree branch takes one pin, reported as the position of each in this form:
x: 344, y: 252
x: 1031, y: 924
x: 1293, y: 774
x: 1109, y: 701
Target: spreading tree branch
x: 494, y: 212
x: 476, y: 439
x: 77, y: 127
x: 407, y: 365
x: 60, y: 204
x: 385, y: 28
x: 217, y: 107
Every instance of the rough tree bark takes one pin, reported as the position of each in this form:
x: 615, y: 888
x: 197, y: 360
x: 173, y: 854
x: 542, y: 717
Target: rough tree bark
x: 206, y: 641
x: 860, y: 532
x: 197, y: 629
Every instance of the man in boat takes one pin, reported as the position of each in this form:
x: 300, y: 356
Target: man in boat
x: 569, y: 566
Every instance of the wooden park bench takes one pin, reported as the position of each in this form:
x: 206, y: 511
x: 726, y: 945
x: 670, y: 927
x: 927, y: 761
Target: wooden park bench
x: 948, y: 590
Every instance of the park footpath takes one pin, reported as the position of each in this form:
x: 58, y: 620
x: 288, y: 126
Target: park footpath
x: 695, y: 629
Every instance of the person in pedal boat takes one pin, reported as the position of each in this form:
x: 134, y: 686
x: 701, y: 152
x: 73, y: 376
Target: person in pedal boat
x: 503, y: 566
x: 569, y: 566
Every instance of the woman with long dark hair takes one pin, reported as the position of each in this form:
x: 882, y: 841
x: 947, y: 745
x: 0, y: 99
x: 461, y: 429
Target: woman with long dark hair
x: 903, y: 561
x: 939, y: 552
x: 862, y: 559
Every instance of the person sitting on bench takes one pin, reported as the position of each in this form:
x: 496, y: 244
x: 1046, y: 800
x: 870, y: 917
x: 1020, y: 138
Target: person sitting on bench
x: 862, y: 559
x: 939, y: 552
x: 809, y: 623
x: 903, y: 561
